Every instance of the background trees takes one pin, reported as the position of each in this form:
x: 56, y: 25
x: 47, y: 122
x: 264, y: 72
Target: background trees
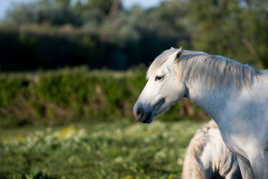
x: 101, y: 33
x: 234, y: 28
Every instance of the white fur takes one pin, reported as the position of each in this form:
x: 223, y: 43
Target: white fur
x: 208, y: 157
x: 233, y: 94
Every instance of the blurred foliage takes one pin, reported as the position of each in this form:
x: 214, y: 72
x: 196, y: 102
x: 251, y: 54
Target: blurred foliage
x: 47, y: 34
x: 54, y: 12
x: 96, y: 150
x: 74, y: 95
x: 233, y: 28
x: 51, y: 34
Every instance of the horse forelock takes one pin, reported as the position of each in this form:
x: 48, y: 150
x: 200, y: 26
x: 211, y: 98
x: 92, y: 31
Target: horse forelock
x: 159, y: 61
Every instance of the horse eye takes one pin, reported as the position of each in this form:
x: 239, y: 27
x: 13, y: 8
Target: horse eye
x: 158, y: 78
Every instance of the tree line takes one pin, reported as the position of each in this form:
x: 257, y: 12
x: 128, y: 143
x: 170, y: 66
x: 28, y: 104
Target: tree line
x: 49, y: 34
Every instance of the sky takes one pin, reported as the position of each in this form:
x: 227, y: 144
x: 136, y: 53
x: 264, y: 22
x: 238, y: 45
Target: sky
x: 5, y: 4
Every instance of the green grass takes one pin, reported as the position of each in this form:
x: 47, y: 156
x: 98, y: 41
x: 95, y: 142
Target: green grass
x: 96, y: 150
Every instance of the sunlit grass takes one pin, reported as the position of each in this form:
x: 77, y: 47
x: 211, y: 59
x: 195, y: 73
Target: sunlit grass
x: 100, y: 150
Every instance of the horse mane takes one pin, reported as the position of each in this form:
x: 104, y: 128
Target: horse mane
x: 215, y: 70
x: 212, y: 70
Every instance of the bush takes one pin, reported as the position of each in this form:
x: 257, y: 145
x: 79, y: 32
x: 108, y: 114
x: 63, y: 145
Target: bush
x: 69, y: 95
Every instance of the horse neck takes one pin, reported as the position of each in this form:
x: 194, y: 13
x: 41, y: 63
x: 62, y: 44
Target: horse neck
x: 211, y: 100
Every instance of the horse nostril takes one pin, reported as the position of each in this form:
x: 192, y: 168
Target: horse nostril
x: 139, y: 112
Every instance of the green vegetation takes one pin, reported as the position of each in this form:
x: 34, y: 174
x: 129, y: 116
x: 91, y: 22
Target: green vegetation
x: 232, y: 28
x: 49, y: 34
x: 78, y: 123
x: 99, y: 139
x: 72, y: 95
x: 99, y: 150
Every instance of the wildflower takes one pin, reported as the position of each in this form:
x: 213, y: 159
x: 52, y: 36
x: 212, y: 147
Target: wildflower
x: 172, y: 176
x: 66, y: 133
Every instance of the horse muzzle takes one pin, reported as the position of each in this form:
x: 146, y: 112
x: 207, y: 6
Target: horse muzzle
x: 141, y: 115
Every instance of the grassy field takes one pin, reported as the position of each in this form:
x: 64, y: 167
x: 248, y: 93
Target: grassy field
x: 96, y: 150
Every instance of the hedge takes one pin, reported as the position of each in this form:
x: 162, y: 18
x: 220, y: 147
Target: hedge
x: 71, y: 95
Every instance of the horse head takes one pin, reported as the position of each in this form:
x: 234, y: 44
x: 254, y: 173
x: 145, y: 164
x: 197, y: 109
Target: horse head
x: 163, y: 89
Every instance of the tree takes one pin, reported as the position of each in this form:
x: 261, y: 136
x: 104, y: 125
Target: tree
x: 233, y: 28
x: 104, y: 6
x: 54, y: 12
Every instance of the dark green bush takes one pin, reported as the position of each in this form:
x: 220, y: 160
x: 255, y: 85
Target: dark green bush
x: 69, y: 95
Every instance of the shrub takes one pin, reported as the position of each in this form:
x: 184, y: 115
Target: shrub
x: 63, y: 96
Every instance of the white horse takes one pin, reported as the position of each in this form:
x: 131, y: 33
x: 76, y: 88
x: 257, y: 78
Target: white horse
x: 233, y: 94
x: 208, y: 157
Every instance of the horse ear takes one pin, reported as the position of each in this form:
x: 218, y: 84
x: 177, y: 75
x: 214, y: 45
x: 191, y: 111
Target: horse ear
x: 176, y: 55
